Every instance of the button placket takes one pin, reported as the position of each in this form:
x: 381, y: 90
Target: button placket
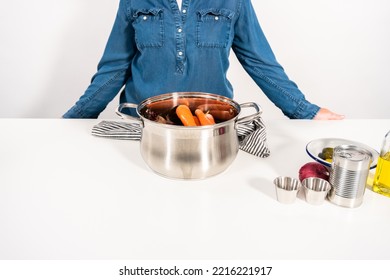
x: 180, y: 18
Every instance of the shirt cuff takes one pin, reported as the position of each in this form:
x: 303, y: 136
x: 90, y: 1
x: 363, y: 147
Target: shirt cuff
x: 305, y: 110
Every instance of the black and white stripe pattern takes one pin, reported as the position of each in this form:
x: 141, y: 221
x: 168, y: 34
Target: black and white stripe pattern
x: 252, y: 135
x: 117, y: 130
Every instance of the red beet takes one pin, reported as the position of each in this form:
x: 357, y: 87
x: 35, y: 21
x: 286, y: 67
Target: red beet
x: 313, y: 169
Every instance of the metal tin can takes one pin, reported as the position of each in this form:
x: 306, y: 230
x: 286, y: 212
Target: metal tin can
x: 348, y: 175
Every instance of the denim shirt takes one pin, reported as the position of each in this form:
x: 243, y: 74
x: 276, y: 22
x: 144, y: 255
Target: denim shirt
x: 155, y: 48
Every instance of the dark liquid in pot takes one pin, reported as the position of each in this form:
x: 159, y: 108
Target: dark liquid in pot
x: 164, y: 111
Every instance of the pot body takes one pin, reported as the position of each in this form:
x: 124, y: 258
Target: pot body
x: 188, y: 152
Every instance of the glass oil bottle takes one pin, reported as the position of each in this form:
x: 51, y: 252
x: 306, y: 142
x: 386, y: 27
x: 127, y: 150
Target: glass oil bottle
x: 381, y: 183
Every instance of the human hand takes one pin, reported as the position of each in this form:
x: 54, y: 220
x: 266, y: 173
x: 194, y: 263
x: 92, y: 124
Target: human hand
x: 325, y: 114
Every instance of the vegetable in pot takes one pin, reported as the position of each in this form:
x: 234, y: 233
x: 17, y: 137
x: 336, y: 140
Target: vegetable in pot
x: 185, y: 115
x: 203, y: 119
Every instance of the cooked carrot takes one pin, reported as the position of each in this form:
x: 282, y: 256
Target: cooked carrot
x: 202, y: 118
x: 210, y: 117
x: 185, y: 115
x: 196, y: 120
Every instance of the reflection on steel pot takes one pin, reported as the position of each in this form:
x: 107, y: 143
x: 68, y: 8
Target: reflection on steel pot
x: 184, y: 152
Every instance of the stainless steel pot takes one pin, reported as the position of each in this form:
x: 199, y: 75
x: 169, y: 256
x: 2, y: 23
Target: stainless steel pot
x: 184, y: 152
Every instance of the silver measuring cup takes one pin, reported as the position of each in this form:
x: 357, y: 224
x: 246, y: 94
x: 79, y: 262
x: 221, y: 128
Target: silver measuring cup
x: 286, y: 189
x: 316, y: 190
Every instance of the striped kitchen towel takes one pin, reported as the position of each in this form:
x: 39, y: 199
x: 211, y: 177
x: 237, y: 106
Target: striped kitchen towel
x: 252, y: 135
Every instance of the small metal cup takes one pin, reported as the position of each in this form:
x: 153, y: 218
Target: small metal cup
x: 316, y: 190
x: 286, y: 189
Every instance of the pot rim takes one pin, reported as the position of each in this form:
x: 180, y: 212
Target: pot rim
x: 188, y: 94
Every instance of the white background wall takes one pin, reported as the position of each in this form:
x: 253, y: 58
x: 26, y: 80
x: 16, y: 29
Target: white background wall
x: 337, y: 51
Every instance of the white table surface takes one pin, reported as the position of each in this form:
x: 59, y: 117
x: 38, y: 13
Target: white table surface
x: 65, y: 194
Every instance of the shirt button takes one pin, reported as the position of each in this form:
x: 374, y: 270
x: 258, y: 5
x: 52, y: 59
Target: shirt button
x: 184, y: 11
x: 179, y: 30
x: 216, y: 18
x: 180, y: 53
x: 145, y: 18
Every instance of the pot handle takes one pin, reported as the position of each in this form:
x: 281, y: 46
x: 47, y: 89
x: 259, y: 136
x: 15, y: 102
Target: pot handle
x: 124, y: 116
x: 258, y: 109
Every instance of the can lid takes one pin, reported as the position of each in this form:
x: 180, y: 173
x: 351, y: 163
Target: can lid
x: 352, y: 157
x: 352, y: 152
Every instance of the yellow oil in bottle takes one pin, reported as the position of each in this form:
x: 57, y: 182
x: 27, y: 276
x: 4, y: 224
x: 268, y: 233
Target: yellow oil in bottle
x: 382, y: 176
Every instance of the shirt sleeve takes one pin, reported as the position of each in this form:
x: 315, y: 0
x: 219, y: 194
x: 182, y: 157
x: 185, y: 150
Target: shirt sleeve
x: 113, y: 69
x: 256, y: 56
